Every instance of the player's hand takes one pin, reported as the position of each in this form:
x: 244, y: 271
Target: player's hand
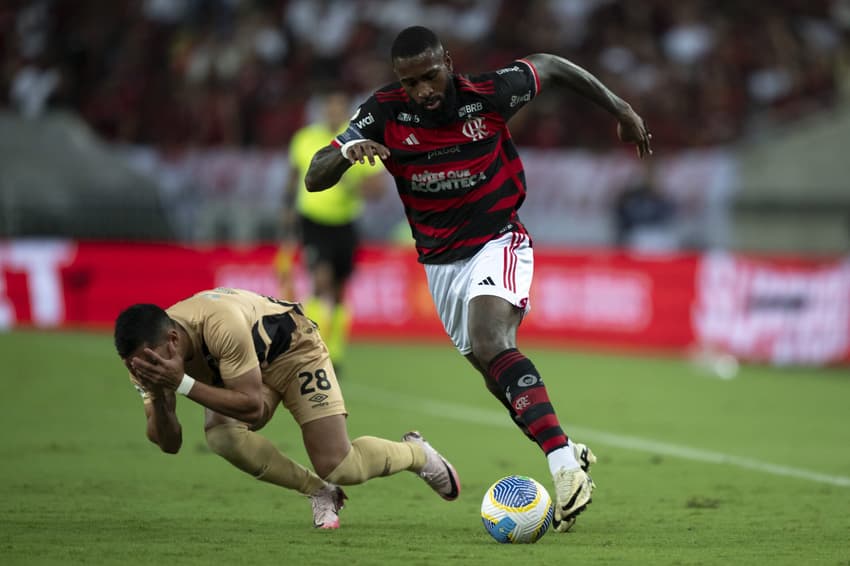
x: 367, y: 150
x: 632, y: 129
x: 157, y: 373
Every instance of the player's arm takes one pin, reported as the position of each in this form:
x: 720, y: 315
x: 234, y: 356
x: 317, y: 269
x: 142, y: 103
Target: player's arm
x: 332, y: 161
x: 241, y: 398
x: 326, y: 169
x: 555, y: 70
x: 355, y: 145
x: 163, y: 428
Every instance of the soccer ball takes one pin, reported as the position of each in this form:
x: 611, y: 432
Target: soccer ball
x: 517, y: 509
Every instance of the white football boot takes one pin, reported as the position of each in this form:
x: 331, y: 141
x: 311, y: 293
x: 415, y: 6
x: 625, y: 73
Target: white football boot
x: 584, y: 455
x: 573, y: 489
x: 437, y: 472
x: 327, y: 503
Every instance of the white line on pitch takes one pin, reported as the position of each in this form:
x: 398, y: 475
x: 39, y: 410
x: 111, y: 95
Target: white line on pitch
x: 459, y: 412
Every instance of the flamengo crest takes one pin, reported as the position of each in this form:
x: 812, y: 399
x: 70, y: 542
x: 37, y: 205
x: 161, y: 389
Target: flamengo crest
x: 475, y: 128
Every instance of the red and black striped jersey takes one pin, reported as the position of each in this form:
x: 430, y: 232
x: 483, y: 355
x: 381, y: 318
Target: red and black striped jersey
x: 461, y: 180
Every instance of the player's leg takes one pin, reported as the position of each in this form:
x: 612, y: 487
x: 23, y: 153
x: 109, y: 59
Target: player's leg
x: 318, y: 259
x: 344, y: 247
x: 499, y: 271
x: 499, y: 394
x: 369, y: 457
x: 350, y: 462
x: 315, y: 400
x: 317, y: 306
x: 492, y: 327
x: 254, y: 454
x: 318, y: 408
x: 494, y: 312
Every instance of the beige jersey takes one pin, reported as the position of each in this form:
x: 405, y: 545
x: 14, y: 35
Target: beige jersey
x: 233, y: 331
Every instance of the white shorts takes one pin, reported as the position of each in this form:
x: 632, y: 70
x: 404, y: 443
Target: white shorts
x: 502, y: 268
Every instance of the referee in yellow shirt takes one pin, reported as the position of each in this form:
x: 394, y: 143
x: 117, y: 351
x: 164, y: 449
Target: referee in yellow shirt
x: 324, y: 223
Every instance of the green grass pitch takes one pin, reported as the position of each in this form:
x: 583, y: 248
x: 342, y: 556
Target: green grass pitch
x: 692, y: 469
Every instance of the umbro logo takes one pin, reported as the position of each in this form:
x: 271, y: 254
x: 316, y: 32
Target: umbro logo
x: 410, y: 140
x: 488, y: 281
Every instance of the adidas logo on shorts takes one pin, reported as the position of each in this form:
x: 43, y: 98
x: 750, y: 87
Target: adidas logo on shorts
x: 488, y: 281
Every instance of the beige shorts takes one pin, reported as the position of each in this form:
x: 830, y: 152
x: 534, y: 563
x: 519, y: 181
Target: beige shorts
x: 303, y: 378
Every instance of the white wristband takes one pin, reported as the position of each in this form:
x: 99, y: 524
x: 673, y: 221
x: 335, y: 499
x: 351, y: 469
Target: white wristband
x: 348, y: 145
x: 185, y: 385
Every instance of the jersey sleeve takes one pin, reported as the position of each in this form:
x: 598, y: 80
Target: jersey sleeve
x: 229, y: 341
x: 366, y: 124
x: 515, y: 86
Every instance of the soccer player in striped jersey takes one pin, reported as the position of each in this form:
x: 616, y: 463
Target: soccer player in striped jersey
x: 444, y: 138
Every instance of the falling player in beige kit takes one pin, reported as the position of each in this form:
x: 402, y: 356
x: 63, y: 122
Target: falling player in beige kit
x: 240, y: 354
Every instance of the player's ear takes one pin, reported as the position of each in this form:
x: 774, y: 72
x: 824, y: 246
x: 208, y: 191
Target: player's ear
x: 447, y: 60
x: 171, y: 343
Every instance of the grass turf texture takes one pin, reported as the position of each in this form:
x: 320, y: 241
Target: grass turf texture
x: 80, y: 483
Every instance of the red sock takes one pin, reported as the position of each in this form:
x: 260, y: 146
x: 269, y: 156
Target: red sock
x: 527, y: 395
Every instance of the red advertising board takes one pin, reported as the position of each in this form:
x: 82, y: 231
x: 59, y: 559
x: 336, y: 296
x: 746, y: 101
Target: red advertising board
x: 779, y: 311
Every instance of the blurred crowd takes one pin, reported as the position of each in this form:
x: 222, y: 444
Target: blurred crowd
x: 174, y: 73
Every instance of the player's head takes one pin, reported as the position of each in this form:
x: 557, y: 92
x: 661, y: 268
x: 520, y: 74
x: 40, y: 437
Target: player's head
x: 424, y: 69
x: 141, y: 326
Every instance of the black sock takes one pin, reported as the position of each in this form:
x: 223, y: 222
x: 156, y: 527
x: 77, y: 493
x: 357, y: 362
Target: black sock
x: 527, y: 395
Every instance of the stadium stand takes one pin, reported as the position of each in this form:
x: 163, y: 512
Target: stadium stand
x: 230, y: 72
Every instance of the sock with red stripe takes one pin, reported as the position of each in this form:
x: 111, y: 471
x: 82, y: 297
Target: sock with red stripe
x: 527, y: 395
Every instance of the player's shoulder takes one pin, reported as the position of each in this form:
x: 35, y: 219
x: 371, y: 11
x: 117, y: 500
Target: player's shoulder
x: 393, y: 88
x: 205, y: 303
x: 479, y: 84
x: 487, y: 82
x: 390, y: 95
x: 515, y: 67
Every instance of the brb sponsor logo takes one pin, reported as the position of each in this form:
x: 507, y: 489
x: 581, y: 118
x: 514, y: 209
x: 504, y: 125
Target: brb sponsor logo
x: 475, y: 128
x: 468, y: 109
x: 437, y: 181
x: 407, y: 117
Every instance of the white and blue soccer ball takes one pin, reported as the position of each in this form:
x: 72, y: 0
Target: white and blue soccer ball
x: 517, y: 509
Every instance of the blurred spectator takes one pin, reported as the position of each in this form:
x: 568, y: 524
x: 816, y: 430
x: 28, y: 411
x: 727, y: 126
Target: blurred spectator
x: 34, y: 84
x: 645, y: 218
x: 224, y: 72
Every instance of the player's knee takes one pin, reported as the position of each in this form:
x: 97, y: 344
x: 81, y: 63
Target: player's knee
x: 485, y: 347
x: 268, y: 412
x: 344, y: 469
x: 330, y: 464
x: 487, y: 342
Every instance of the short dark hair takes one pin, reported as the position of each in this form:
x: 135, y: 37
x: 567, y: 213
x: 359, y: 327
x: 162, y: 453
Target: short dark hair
x: 138, y: 325
x: 414, y: 41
